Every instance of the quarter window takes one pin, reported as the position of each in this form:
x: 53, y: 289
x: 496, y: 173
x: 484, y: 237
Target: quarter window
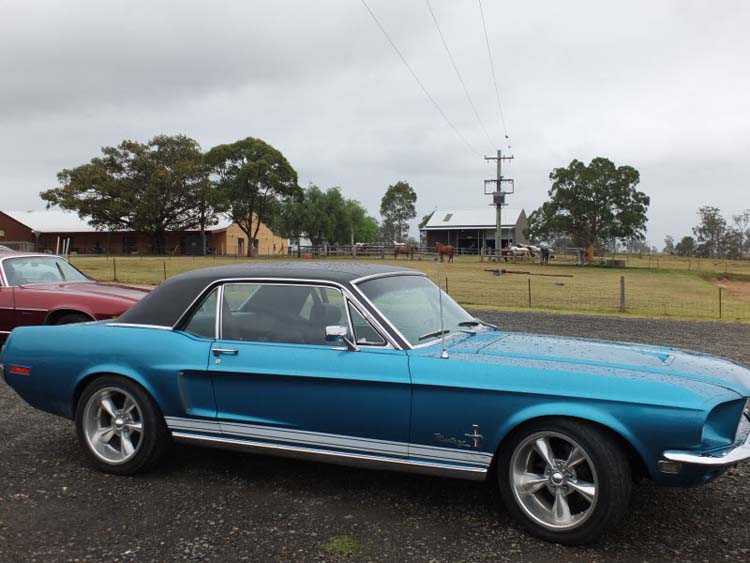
x: 203, y: 321
x: 290, y: 314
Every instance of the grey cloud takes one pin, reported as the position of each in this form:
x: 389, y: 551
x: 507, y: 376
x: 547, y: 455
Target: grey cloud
x: 661, y: 86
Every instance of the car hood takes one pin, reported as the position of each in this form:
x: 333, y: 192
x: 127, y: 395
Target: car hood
x: 572, y: 354
x: 126, y: 293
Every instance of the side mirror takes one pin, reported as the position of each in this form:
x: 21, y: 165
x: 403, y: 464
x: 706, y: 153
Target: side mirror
x: 340, y: 333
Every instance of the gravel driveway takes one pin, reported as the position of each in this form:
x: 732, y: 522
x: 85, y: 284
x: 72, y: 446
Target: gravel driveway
x: 208, y: 505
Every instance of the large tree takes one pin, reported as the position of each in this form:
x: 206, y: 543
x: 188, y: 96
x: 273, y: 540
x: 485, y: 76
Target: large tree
x: 253, y: 179
x: 686, y: 247
x: 151, y: 187
x: 397, y: 207
x: 710, y: 231
x: 326, y: 216
x: 593, y: 204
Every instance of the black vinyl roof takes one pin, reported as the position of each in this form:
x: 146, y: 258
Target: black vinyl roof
x: 166, y: 304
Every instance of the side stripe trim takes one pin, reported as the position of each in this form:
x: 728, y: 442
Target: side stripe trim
x: 335, y: 441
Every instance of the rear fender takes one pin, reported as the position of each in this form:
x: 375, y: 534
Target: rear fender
x: 111, y: 369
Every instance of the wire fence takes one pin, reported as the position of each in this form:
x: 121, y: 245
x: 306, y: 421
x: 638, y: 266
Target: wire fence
x: 559, y: 287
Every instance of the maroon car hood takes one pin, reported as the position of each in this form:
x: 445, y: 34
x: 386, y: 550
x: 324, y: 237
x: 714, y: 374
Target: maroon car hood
x: 122, y: 292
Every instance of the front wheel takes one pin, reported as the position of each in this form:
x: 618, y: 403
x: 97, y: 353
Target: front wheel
x: 564, y: 481
x: 119, y: 426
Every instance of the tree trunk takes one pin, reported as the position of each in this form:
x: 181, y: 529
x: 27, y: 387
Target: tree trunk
x: 590, y: 253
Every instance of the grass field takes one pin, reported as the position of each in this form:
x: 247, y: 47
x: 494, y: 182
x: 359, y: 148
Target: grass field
x: 677, y: 288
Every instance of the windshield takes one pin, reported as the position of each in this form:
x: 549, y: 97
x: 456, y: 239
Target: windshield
x: 28, y: 270
x: 412, y: 305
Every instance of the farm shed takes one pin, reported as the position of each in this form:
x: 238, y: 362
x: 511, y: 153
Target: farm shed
x: 40, y: 230
x: 474, y: 229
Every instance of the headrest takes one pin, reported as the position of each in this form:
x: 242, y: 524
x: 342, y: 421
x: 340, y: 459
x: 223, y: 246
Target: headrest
x: 326, y: 314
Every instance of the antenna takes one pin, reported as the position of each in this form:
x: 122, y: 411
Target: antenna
x: 443, y: 351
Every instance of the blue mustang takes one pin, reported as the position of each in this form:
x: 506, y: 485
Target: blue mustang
x: 373, y: 366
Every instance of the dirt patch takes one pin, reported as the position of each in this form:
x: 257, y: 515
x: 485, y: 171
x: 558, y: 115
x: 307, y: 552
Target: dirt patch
x: 738, y: 289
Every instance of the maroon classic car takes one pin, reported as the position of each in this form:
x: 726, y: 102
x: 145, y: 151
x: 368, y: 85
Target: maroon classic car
x: 38, y: 289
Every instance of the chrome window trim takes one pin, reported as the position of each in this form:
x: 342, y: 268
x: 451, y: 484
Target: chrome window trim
x: 295, y: 281
x: 129, y: 325
x: 219, y: 311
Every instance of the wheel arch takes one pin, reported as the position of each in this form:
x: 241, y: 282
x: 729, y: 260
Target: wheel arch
x: 633, y: 449
x: 86, y: 379
x: 55, y: 314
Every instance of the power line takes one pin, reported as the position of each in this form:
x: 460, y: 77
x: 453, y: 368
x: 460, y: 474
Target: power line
x: 419, y: 82
x: 494, y: 78
x: 458, y: 74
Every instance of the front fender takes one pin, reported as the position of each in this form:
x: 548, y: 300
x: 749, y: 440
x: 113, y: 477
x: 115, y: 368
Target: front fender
x: 632, y: 429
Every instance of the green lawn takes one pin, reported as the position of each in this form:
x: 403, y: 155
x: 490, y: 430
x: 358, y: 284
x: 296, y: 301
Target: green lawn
x: 678, y: 288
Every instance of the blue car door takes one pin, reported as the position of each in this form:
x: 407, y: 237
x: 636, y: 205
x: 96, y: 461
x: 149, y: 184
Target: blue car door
x: 277, y: 380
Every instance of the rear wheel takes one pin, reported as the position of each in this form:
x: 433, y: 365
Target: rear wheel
x: 564, y: 481
x: 72, y: 318
x: 119, y: 426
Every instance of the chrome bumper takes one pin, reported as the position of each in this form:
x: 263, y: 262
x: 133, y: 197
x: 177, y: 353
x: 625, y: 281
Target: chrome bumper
x: 730, y: 457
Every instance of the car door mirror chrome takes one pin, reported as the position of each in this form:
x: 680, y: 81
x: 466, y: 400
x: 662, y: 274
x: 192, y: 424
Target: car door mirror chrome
x: 340, y: 333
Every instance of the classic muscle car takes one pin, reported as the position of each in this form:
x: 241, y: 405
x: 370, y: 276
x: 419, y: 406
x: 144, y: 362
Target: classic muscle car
x: 373, y: 366
x: 37, y: 289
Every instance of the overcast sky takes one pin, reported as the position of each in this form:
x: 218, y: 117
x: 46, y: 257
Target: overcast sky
x: 661, y: 85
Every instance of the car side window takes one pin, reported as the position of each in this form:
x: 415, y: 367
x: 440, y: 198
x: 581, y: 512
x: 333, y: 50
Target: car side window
x: 364, y: 333
x: 281, y: 313
x: 203, y: 321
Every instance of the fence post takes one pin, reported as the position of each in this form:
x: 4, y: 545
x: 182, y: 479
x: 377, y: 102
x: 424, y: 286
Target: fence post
x: 622, y: 294
x: 720, y: 292
x: 529, y: 280
x: 114, y: 269
x: 165, y: 270
x: 446, y: 284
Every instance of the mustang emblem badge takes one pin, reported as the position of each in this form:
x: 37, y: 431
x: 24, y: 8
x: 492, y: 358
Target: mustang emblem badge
x: 438, y: 437
x: 475, y: 435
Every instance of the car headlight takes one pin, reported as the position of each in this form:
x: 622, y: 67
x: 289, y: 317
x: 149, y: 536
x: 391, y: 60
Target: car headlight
x: 743, y: 428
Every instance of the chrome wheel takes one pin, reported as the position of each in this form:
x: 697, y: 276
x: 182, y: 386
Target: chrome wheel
x: 113, y: 425
x: 554, y: 480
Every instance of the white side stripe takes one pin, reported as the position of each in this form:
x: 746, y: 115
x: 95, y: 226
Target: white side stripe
x: 334, y: 441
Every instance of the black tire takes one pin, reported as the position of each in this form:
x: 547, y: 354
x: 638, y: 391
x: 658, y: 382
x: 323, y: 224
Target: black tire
x: 610, y: 468
x: 154, y: 440
x: 72, y: 318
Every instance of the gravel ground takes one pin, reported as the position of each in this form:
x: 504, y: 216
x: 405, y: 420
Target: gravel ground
x: 208, y: 505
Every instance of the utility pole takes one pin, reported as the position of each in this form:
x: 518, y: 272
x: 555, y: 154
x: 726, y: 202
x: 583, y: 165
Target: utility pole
x: 498, y: 193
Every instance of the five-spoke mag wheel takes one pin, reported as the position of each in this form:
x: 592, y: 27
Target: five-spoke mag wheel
x: 120, y: 426
x: 563, y: 479
x: 113, y: 424
x: 554, y: 480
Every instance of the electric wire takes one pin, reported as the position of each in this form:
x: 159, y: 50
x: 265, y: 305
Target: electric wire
x: 494, y: 78
x: 419, y: 82
x: 458, y: 74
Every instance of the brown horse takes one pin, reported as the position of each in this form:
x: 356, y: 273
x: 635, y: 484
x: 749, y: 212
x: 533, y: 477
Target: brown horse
x: 445, y: 250
x: 408, y: 249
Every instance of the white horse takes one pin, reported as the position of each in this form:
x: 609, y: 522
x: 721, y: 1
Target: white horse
x: 520, y: 252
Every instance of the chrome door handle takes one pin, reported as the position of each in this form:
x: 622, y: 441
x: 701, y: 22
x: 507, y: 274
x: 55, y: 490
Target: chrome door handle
x: 228, y: 351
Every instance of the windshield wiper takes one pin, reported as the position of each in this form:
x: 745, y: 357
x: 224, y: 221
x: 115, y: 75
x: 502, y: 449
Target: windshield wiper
x: 434, y: 333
